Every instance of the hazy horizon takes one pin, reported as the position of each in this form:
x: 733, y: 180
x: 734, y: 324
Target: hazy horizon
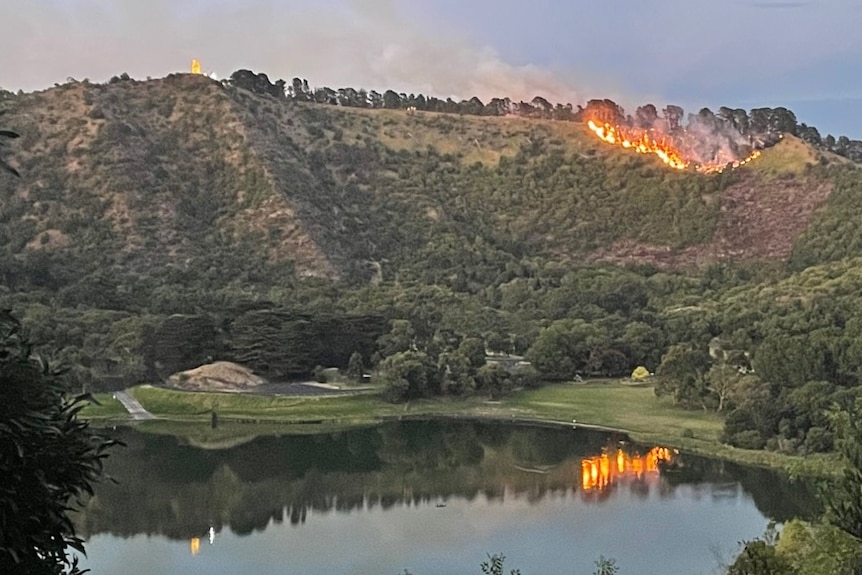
x: 750, y: 53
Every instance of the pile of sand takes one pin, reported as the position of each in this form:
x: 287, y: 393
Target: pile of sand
x: 218, y: 376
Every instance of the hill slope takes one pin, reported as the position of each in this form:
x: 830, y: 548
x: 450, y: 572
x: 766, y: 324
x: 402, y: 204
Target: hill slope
x: 289, y: 234
x: 186, y: 174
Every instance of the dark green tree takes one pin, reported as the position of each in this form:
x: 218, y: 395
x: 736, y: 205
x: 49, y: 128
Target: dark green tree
x: 562, y: 350
x: 6, y: 135
x: 299, y: 90
x: 391, y: 100
x: 606, y: 566
x: 458, y: 374
x: 494, y: 566
x: 319, y: 374
x: 399, y: 339
x: 355, y: 367
x: 494, y: 380
x: 844, y: 496
x: 682, y: 375
x: 760, y: 558
x: 473, y: 349
x: 48, y: 456
x: 409, y: 375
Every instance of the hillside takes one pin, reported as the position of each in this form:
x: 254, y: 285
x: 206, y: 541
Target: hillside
x: 184, y: 173
x: 762, y: 213
x: 160, y: 225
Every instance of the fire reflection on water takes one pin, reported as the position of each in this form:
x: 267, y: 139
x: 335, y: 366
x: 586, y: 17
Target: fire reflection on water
x: 600, y: 473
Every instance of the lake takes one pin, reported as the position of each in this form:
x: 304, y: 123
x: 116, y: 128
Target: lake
x: 429, y: 497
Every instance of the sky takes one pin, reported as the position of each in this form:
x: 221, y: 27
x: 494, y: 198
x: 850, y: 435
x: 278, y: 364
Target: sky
x: 801, y: 54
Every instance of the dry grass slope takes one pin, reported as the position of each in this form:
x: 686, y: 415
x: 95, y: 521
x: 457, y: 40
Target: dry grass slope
x: 183, y: 171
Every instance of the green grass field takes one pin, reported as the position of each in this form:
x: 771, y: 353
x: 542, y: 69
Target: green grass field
x: 635, y: 409
x: 191, y: 406
x: 609, y: 404
x: 108, y: 408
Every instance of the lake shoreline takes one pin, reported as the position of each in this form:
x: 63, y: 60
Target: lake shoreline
x: 633, y: 411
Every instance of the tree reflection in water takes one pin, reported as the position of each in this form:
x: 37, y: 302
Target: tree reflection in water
x: 178, y: 491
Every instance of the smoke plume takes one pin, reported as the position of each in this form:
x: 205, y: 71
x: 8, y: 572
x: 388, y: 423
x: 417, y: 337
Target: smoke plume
x: 359, y: 43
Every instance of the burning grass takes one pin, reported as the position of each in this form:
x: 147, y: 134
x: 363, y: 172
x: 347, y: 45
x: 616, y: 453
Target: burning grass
x: 668, y: 151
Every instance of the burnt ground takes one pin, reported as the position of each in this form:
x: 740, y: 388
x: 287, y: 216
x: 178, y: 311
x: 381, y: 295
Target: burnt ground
x: 760, y: 220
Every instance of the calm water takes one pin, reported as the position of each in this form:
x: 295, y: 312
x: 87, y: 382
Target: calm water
x: 429, y: 497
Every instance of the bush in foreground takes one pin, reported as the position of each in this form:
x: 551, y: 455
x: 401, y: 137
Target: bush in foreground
x: 48, y: 456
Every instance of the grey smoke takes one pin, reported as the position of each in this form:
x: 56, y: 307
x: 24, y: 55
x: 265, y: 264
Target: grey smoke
x: 363, y: 43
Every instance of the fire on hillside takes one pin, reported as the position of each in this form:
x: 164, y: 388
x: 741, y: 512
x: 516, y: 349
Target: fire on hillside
x: 643, y: 142
x: 709, y: 143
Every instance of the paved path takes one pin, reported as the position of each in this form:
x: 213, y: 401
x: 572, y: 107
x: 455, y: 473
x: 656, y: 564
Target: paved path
x: 135, y: 409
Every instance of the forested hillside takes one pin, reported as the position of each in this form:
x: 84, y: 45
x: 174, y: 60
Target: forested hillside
x: 158, y: 225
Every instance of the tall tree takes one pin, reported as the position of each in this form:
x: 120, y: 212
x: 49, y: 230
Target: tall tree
x: 4, y: 136
x: 646, y: 116
x: 391, y: 100
x: 673, y: 115
x: 409, y: 375
x: 355, y: 367
x: 562, y: 350
x: 681, y: 375
x: 298, y: 90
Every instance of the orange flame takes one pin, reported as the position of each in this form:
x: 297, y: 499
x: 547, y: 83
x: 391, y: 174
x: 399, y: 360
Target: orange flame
x: 639, y: 141
x: 598, y: 473
x: 642, y: 142
x: 718, y: 169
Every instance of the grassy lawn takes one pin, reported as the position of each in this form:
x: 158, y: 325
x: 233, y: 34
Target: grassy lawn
x: 653, y: 420
x: 634, y: 409
x: 192, y: 406
x: 108, y: 408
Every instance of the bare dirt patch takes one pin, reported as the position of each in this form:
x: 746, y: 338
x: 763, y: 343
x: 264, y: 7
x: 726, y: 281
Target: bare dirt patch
x: 218, y: 376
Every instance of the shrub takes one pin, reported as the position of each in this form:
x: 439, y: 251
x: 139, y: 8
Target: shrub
x: 750, y: 439
x: 757, y: 558
x: 818, y: 439
x: 49, y: 459
x: 319, y: 374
